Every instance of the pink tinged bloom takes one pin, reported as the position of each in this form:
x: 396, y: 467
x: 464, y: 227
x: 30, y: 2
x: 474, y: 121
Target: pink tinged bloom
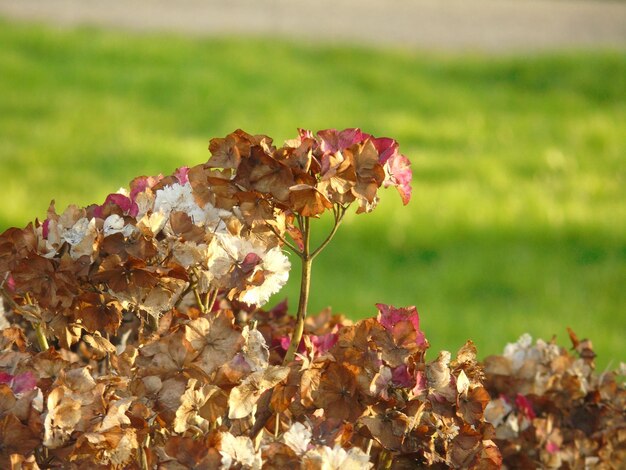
x: 10, y: 283
x: 386, y: 148
x: 525, y: 406
x: 19, y: 383
x: 401, y: 378
x: 285, y: 341
x: 250, y: 261
x: 181, y: 174
x: 125, y: 203
x: 24, y: 382
x: 320, y: 344
x: 305, y: 134
x: 141, y: 183
x: 45, y: 228
x: 323, y: 343
x: 332, y: 140
x: 421, y: 384
x: 395, y: 320
x: 552, y: 447
x: 399, y: 175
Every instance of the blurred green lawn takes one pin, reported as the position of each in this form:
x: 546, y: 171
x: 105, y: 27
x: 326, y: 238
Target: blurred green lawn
x: 518, y: 219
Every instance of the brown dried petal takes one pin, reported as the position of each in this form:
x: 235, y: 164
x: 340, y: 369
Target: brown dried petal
x: 307, y: 200
x: 192, y: 401
x: 337, y: 392
x: 243, y: 398
x: 98, y: 312
x: 15, y: 438
x: 218, y: 341
x: 101, y: 345
x: 389, y: 429
x: 63, y: 416
x: 471, y: 406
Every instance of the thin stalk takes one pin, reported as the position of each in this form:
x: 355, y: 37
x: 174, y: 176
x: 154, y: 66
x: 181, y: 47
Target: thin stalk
x: 107, y: 362
x: 286, y: 242
x: 143, y: 457
x: 263, y: 406
x: 211, y: 297
x: 41, y: 337
x: 305, y: 287
x: 42, y: 341
x: 276, y: 426
x: 182, y: 295
x: 338, y: 218
x: 199, y: 300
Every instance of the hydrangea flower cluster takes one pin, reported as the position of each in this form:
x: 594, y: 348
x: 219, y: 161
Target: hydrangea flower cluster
x: 133, y: 337
x: 551, y: 410
x: 214, y: 228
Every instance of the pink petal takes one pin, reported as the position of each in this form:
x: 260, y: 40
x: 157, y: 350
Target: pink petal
x: 305, y: 134
x: 389, y: 316
x: 332, y: 140
x: 285, y: 341
x: 11, y: 283
x: 45, y: 228
x: 5, y: 378
x: 386, y: 148
x: 123, y: 202
x: 323, y: 343
x: 19, y: 383
x: 400, y: 377
x: 181, y: 174
x: 525, y: 406
x: 128, y: 206
x: 24, y: 382
x: 420, y: 383
x: 250, y: 262
x: 400, y: 176
x: 141, y: 183
x: 552, y: 447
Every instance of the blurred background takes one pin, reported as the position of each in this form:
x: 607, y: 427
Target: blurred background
x: 512, y: 113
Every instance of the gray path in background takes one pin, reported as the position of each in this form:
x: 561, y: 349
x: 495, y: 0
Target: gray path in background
x: 453, y: 25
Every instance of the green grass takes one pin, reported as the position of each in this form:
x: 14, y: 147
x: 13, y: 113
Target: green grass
x: 518, y: 219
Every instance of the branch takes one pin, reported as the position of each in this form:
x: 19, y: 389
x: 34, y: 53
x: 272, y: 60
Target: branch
x: 199, y: 300
x: 210, y: 299
x: 285, y: 241
x: 41, y: 337
x: 182, y: 295
x: 339, y: 213
x: 305, y: 286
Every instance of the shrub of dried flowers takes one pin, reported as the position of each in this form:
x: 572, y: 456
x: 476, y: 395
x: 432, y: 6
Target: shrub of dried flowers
x: 133, y: 337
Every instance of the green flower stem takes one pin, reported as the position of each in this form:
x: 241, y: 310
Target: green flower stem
x: 285, y: 241
x: 41, y: 337
x: 42, y: 341
x: 339, y: 213
x: 196, y: 294
x: 210, y: 299
x: 263, y: 405
x: 305, y: 287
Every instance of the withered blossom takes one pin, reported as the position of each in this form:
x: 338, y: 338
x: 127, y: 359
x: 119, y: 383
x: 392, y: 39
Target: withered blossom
x: 132, y: 337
